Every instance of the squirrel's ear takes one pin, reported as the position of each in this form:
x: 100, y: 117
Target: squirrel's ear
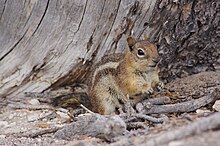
x: 131, y: 42
x: 145, y: 36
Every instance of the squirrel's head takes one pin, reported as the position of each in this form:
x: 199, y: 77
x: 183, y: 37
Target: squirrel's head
x: 144, y: 53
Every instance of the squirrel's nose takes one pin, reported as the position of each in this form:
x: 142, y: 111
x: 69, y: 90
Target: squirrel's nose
x: 156, y: 60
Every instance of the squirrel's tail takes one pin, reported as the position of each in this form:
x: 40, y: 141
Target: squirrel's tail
x: 72, y: 100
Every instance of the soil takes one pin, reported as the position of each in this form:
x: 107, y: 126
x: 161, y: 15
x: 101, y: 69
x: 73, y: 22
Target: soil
x: 19, y: 126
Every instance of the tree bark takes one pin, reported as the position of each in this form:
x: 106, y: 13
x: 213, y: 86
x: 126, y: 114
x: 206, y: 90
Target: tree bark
x: 47, y: 44
x: 188, y: 35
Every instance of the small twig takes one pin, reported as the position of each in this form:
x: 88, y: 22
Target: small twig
x: 30, y: 107
x: 158, y: 101
x: 36, y: 94
x: 51, y: 115
x: 24, y: 99
x: 147, y: 103
x: 162, y: 119
x: 86, y: 109
x: 76, y: 112
x: 31, y: 134
x: 136, y: 125
x: 188, y: 106
x: 3, y: 102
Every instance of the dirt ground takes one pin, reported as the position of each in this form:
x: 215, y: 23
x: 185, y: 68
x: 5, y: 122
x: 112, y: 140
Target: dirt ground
x: 19, y: 126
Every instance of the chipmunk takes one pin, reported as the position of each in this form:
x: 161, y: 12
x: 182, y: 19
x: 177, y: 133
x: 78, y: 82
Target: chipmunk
x: 121, y: 77
x: 117, y: 79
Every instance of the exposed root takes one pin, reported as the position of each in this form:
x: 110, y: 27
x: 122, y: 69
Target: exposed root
x: 197, y: 127
x: 187, y: 106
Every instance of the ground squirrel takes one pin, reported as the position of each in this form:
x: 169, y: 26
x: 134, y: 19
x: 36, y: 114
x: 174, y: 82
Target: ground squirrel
x: 121, y: 77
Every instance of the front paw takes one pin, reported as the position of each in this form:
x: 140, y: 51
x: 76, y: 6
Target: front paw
x: 150, y: 91
x: 160, y: 86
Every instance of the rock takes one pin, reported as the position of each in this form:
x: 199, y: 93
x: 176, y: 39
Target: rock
x: 12, y: 124
x: 34, y: 102
x: 11, y: 116
x: 33, y: 117
x: 3, y: 123
x: 216, y: 106
x: 202, y: 111
x: 63, y: 115
x: 2, y: 136
x: 176, y: 143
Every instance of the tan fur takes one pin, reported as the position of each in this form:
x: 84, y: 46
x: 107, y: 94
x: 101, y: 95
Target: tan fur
x: 127, y: 76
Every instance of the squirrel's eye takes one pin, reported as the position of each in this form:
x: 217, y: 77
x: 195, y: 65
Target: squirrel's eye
x: 140, y: 52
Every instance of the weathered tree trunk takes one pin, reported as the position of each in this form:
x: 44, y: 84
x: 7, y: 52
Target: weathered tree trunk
x: 47, y: 44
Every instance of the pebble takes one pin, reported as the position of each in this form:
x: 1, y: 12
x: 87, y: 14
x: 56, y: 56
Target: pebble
x: 62, y: 110
x: 12, y: 124
x: 33, y: 116
x: 2, y: 136
x: 62, y: 115
x: 3, y: 123
x: 23, y: 128
x: 176, y: 143
x: 216, y: 106
x: 34, y: 102
x: 11, y: 116
x: 202, y: 111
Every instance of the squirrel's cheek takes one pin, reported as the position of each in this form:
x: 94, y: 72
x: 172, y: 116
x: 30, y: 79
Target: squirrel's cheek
x: 146, y: 64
